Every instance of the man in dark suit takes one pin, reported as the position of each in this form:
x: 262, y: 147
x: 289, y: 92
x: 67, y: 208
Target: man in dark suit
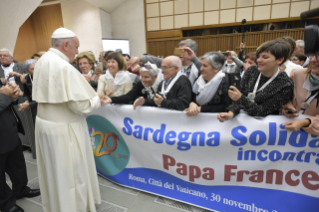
x: 10, y: 72
x: 175, y: 91
x: 11, y: 156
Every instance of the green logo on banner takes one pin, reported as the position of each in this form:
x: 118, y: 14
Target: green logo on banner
x: 110, y: 150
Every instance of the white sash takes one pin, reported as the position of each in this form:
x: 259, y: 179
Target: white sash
x: 308, y: 86
x: 121, y: 77
x: 193, y: 73
x: 6, y: 71
x: 206, y: 91
x: 164, y: 91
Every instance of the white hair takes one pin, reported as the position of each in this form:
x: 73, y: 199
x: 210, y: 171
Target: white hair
x: 27, y: 64
x: 6, y: 50
x: 301, y: 43
x: 216, y: 59
x: 153, y: 71
x: 57, y: 42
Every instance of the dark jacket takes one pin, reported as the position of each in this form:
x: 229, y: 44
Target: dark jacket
x: 10, y: 125
x: 18, y: 67
x: 178, y: 97
x: 220, y: 100
x: 268, y: 101
x: 136, y: 92
x: 27, y: 95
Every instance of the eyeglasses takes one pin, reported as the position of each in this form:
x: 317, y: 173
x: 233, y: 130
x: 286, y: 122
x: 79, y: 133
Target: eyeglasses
x: 165, y: 67
x: 4, y: 56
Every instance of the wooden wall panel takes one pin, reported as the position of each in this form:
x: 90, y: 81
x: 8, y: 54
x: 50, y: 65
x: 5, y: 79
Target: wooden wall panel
x: 165, y: 47
x: 35, y: 34
x: 26, y: 44
x: 46, y: 20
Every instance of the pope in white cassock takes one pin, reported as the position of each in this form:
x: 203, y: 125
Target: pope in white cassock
x: 67, y: 172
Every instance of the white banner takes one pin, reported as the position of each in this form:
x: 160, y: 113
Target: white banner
x: 244, y: 164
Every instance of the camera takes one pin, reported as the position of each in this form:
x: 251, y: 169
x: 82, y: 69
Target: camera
x: 311, y: 33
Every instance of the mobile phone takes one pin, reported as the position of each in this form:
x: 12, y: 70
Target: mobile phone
x: 288, y: 109
x: 226, y: 54
x: 179, y: 52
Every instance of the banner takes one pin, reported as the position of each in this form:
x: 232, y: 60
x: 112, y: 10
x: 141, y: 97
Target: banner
x: 245, y: 164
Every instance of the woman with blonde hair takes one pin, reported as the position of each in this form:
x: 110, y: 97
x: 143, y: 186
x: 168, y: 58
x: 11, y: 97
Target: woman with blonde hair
x: 306, y: 99
x: 85, y: 61
x: 116, y: 81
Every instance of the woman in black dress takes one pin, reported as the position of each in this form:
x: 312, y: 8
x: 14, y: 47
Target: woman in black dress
x: 143, y: 92
x: 264, y: 89
x: 211, y: 88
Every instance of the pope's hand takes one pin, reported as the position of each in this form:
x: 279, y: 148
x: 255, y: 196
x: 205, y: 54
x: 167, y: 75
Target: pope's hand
x: 138, y: 102
x: 106, y: 100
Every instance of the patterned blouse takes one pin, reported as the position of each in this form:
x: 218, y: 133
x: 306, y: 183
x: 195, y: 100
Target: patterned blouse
x: 267, y: 101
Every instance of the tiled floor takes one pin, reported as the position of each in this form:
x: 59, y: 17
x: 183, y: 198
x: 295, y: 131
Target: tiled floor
x: 115, y: 198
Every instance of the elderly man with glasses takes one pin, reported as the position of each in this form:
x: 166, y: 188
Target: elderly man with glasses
x: 175, y: 91
x: 10, y: 72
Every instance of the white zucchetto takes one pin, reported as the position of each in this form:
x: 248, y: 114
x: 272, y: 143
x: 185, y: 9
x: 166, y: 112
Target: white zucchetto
x: 63, y: 33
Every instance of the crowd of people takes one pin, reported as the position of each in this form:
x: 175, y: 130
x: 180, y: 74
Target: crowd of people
x: 277, y: 79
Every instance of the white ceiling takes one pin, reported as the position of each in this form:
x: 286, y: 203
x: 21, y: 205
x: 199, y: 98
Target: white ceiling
x: 107, y: 5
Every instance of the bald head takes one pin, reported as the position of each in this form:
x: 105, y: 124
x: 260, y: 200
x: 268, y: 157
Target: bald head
x: 170, y: 66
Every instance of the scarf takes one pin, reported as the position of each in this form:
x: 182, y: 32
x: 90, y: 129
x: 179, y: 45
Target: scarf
x: 164, y: 91
x: 7, y: 70
x: 206, y: 91
x: 193, y: 72
x: 312, y: 85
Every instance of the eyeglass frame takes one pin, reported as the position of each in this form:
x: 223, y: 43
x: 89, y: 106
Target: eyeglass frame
x: 4, y: 56
x: 165, y: 67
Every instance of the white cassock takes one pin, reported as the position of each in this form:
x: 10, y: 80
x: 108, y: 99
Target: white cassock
x: 66, y: 167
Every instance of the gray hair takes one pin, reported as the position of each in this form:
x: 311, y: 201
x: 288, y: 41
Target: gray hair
x: 6, y: 50
x: 190, y: 43
x: 119, y: 51
x: 27, y: 64
x: 153, y: 71
x: 301, y: 43
x: 216, y: 59
x: 57, y: 42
